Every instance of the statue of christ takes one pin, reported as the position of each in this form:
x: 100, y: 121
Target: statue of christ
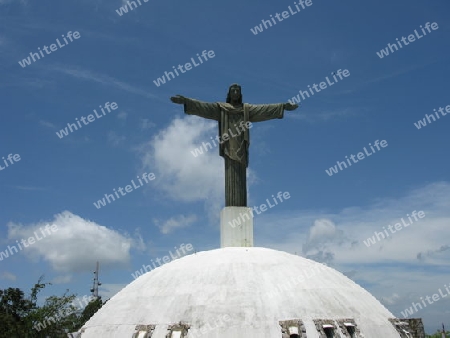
x: 237, y: 116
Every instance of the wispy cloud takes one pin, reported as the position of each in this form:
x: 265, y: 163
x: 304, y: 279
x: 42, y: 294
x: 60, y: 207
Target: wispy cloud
x: 29, y: 188
x: 6, y: 2
x: 8, y: 276
x: 324, y: 116
x: 112, y: 38
x: 47, y: 124
x: 337, y: 56
x: 63, y: 279
x: 146, y: 124
x: 384, y: 77
x: 175, y: 222
x: 104, y: 80
x: 115, y: 139
x: 122, y: 115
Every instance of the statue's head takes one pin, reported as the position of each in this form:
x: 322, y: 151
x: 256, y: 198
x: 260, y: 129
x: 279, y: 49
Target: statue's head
x: 234, y: 94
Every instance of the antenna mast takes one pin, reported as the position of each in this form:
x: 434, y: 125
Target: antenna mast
x: 94, y: 289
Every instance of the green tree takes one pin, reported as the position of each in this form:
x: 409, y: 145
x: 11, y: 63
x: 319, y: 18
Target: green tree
x: 91, y: 308
x: 55, y: 316
x: 438, y: 334
x: 22, y: 317
x: 13, y: 309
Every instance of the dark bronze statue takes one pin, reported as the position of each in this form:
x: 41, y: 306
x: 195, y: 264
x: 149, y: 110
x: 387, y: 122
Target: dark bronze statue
x: 234, y: 119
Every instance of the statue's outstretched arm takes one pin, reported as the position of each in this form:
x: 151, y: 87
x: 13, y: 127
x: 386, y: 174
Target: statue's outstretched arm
x: 179, y: 99
x: 195, y: 107
x: 290, y: 106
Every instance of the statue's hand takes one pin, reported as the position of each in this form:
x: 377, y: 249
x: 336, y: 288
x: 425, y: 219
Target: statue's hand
x: 178, y: 99
x: 290, y: 106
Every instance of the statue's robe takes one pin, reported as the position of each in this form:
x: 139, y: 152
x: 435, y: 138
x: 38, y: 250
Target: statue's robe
x: 235, y: 149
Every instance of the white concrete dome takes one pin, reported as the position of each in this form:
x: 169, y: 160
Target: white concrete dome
x: 241, y: 292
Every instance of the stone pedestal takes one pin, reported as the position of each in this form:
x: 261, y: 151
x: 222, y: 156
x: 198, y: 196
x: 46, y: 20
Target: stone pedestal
x: 236, y: 227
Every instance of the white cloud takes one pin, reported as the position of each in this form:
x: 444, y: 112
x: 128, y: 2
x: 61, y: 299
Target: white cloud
x: 115, y: 139
x: 76, y: 244
x: 63, y: 279
x: 343, y: 233
x: 391, y: 299
x: 8, y: 276
x: 322, y: 229
x: 172, y: 223
x: 182, y: 176
x: 146, y: 124
x: 139, y: 243
x: 322, y: 234
x: 122, y: 115
x: 47, y: 124
x: 411, y: 263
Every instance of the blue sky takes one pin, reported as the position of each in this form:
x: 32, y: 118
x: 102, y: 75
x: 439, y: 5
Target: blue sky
x: 117, y: 58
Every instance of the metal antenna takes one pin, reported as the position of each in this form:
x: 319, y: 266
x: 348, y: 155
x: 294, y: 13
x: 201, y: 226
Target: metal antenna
x: 94, y: 289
